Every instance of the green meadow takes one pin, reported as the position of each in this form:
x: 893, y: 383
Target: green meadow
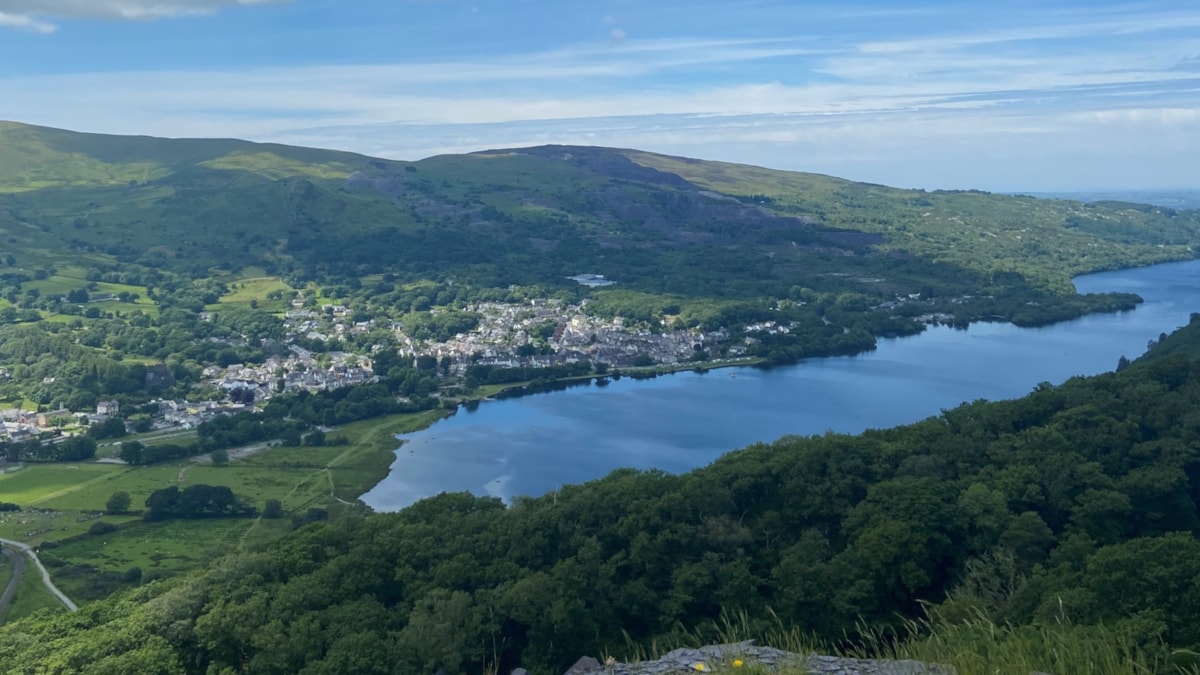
x: 62, y: 502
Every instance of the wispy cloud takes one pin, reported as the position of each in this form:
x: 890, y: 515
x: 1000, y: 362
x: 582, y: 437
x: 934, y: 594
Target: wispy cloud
x: 1125, y: 24
x: 909, y: 96
x: 25, y: 22
x: 38, y: 14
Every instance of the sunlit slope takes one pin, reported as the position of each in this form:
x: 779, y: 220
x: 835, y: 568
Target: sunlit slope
x: 533, y: 215
x: 1048, y: 240
x: 33, y: 158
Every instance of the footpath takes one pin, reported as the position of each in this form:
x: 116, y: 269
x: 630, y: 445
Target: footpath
x: 26, y: 549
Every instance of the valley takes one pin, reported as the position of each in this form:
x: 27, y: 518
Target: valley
x: 208, y: 349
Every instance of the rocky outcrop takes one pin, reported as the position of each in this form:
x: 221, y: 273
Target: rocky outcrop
x: 730, y: 657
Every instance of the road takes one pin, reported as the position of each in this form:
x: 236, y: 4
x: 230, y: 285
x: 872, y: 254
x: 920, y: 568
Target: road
x: 62, y: 597
x: 10, y: 591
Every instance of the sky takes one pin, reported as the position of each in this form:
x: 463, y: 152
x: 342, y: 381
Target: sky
x: 1019, y: 95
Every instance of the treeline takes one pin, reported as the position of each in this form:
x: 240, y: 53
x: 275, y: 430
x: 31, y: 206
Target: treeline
x: 195, y: 501
x: 219, y: 433
x: 74, y: 449
x: 441, y: 326
x: 1075, y: 504
x: 486, y: 374
x: 290, y: 417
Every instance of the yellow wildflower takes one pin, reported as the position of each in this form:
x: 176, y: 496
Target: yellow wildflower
x: 737, y: 663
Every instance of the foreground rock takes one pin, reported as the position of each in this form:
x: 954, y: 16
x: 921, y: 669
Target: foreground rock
x: 722, y: 658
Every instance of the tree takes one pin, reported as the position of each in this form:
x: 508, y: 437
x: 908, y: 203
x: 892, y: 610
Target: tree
x: 272, y: 509
x: 118, y: 503
x: 220, y: 457
x: 131, y: 452
x: 113, y: 427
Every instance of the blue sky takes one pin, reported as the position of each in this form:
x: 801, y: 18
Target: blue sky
x: 1017, y: 95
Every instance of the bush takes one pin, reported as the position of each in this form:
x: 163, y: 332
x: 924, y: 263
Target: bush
x: 118, y: 503
x: 101, y: 528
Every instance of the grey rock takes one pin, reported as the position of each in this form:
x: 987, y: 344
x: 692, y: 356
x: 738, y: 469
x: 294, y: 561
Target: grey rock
x: 714, y: 658
x: 519, y: 671
x: 583, y: 666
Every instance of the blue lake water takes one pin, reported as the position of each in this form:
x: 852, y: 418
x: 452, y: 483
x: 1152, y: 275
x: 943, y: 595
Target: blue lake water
x: 533, y: 444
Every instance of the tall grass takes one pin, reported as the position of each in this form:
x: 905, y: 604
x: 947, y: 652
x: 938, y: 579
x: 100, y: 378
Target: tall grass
x: 976, y: 645
x: 979, y: 646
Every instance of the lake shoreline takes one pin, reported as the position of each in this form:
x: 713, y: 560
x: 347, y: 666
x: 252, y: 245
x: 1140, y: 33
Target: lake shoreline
x: 412, y: 470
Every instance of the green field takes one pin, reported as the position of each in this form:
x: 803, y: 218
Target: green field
x: 59, y: 499
x: 139, y: 482
x: 41, y: 482
x: 243, y: 291
x: 170, y: 546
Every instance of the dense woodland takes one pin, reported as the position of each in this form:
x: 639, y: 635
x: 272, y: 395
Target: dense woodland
x: 1077, y: 503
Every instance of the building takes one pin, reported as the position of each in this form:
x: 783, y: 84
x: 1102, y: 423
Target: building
x: 46, y: 419
x: 107, y: 408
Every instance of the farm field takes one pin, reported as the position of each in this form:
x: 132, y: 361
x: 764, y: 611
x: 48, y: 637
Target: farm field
x: 63, y: 502
x: 139, y: 482
x: 256, y: 289
x: 40, y: 482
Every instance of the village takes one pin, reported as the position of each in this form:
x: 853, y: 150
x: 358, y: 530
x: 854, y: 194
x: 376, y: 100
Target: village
x: 537, y: 333
x: 549, y: 332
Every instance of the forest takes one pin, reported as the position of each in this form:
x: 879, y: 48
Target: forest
x: 1076, y: 504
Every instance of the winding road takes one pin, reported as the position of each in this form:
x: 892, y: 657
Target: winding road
x: 10, y: 591
x: 25, y: 548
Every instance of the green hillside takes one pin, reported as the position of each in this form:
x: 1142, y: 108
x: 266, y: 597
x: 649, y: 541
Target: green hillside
x: 163, y: 230
x: 535, y: 215
x: 35, y: 158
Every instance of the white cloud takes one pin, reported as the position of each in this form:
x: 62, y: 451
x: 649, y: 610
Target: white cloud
x: 24, y: 22
x: 617, y: 34
x: 35, y: 14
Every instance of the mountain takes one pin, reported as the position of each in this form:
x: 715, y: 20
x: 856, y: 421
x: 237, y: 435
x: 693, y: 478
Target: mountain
x: 536, y: 215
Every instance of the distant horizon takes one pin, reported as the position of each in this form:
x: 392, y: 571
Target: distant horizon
x: 1052, y: 95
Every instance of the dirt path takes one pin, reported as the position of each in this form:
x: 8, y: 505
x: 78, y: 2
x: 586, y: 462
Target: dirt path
x: 24, y: 548
x: 333, y: 490
x: 10, y: 591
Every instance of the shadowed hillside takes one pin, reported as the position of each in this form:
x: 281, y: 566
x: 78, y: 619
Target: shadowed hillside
x: 535, y: 215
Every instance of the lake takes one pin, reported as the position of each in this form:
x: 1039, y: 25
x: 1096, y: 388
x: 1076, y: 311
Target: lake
x: 532, y: 444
